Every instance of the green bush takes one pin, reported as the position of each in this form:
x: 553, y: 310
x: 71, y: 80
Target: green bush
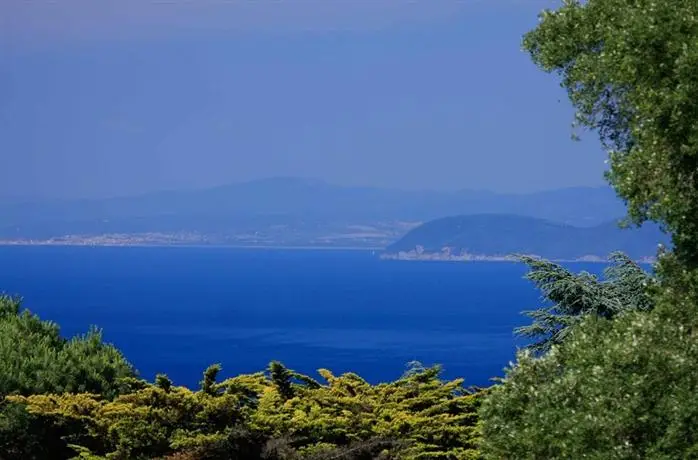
x: 616, y: 389
x: 277, y: 415
x: 35, y: 359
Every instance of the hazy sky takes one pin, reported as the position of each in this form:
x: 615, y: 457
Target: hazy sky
x: 114, y: 97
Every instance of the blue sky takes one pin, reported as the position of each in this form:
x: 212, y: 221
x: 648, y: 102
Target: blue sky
x: 124, y: 97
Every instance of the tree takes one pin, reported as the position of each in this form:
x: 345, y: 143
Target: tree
x: 630, y: 69
x: 571, y: 297
x: 35, y: 359
x: 621, y: 387
x: 281, y: 377
x: 616, y: 389
x: 208, y: 384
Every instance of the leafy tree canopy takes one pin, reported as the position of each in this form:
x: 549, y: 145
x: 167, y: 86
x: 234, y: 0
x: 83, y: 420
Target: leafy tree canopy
x: 620, y: 386
x: 631, y: 71
x: 615, y: 389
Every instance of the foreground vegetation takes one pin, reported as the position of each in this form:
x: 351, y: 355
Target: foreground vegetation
x: 79, y: 397
x: 610, y: 373
x: 621, y: 387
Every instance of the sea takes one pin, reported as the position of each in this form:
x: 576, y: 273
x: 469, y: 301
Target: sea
x: 176, y: 310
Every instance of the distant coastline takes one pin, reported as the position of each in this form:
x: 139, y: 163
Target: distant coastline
x: 174, y: 244
x: 443, y: 256
x: 448, y: 257
x: 183, y: 245
x: 498, y: 238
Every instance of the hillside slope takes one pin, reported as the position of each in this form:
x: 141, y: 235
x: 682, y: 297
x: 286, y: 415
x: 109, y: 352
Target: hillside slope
x: 295, y: 203
x: 499, y: 235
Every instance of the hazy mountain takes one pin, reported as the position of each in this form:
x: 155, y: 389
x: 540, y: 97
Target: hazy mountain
x: 291, y: 202
x: 488, y: 234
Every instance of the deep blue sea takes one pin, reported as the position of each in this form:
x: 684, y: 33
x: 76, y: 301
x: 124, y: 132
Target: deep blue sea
x: 177, y: 310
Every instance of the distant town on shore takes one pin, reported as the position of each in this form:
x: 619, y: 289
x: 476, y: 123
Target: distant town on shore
x: 566, y: 224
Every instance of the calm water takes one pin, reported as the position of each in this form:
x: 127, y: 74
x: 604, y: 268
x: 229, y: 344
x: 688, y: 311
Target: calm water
x: 176, y: 310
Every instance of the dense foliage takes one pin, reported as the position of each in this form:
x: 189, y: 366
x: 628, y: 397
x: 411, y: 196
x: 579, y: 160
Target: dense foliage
x: 34, y: 358
x: 629, y: 67
x: 621, y: 386
x: 79, y: 397
x: 276, y: 415
x: 571, y: 296
x: 616, y: 389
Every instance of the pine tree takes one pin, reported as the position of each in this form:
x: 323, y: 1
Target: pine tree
x: 570, y: 297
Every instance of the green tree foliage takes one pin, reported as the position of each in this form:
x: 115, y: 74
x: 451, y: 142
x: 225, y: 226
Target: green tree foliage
x: 251, y: 416
x: 281, y: 378
x: 163, y: 382
x: 629, y: 67
x: 208, y: 384
x: 617, y: 389
x: 570, y: 297
x: 27, y: 437
x: 621, y: 386
x: 34, y: 358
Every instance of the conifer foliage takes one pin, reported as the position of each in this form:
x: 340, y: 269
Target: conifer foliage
x: 570, y: 296
x: 34, y: 358
x: 252, y: 416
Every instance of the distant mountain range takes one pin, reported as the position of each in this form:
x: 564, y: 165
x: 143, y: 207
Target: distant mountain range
x: 502, y: 235
x: 290, y: 212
